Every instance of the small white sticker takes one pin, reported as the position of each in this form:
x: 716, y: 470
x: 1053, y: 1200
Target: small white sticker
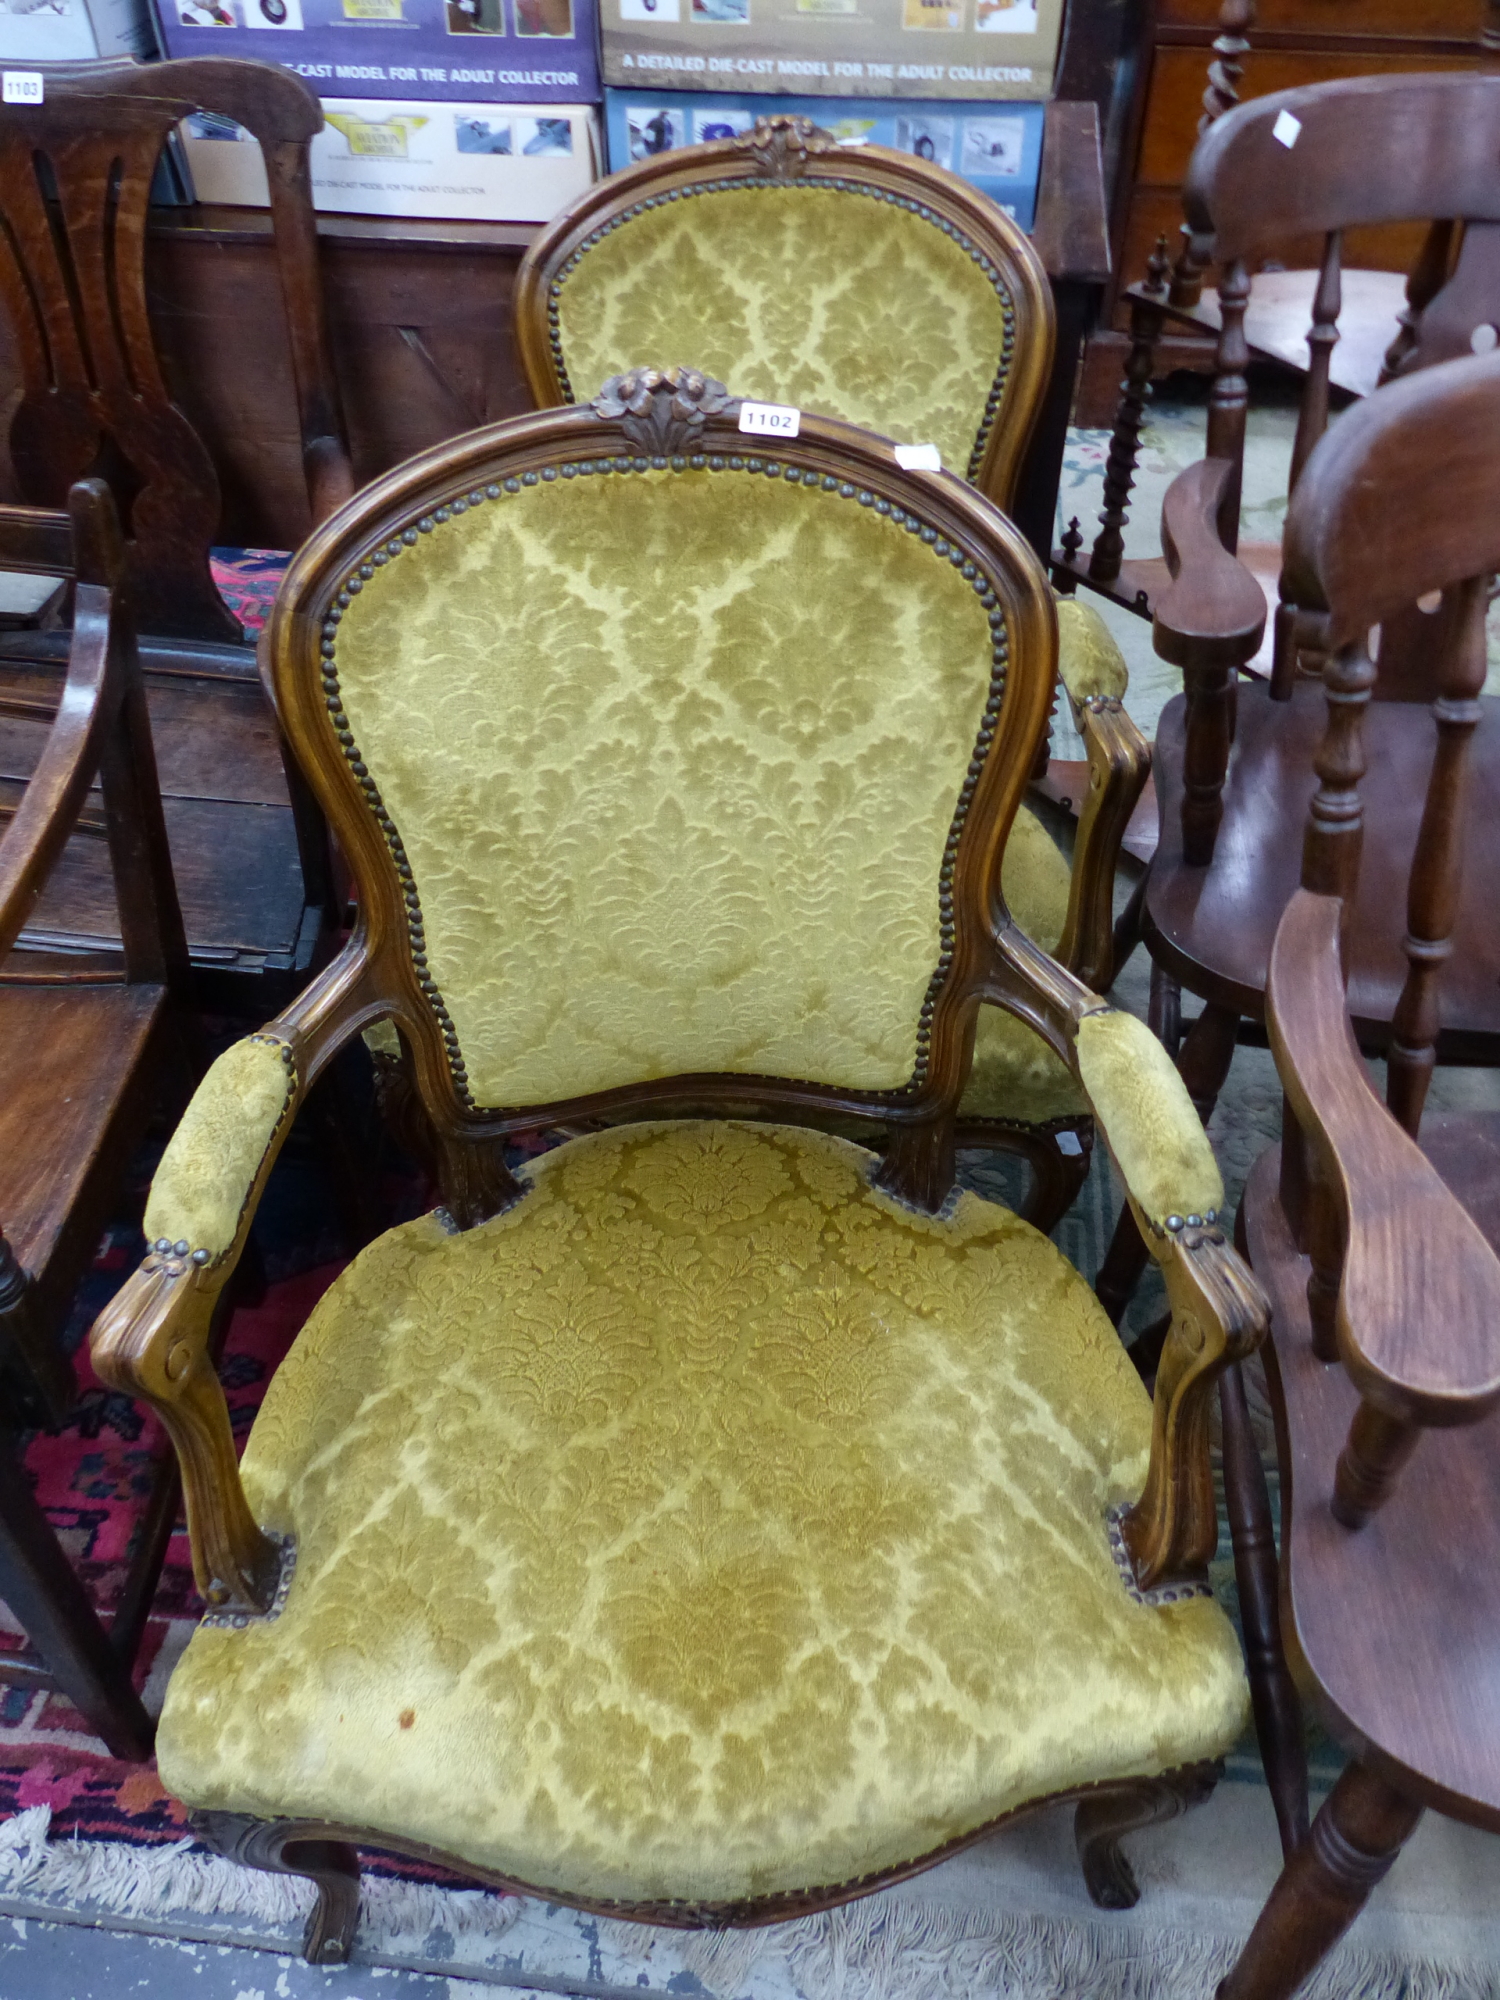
x: 770, y: 420
x: 1286, y: 129
x: 919, y: 458
x: 22, y: 86
x: 1069, y: 1143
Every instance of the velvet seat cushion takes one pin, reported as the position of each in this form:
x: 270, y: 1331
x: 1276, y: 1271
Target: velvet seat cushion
x: 705, y: 1526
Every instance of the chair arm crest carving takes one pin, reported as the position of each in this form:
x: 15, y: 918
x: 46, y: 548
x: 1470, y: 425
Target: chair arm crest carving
x: 662, y: 412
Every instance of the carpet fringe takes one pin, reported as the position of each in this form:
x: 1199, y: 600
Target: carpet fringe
x: 157, y: 1881
x: 879, y: 1950
x: 875, y: 1949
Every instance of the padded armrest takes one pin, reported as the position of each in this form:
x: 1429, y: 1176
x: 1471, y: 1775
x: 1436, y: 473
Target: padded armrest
x: 213, y: 1160
x: 1089, y: 663
x: 1154, y: 1133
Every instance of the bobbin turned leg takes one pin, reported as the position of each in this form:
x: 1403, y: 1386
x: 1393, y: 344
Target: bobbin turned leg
x: 1361, y: 1829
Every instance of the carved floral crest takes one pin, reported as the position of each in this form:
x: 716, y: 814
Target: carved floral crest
x: 783, y: 143
x: 662, y: 414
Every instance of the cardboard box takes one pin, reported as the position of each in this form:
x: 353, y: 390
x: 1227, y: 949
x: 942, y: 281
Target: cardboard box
x: 476, y: 162
x: 463, y: 51
x: 75, y: 30
x: 834, y: 48
x: 997, y: 148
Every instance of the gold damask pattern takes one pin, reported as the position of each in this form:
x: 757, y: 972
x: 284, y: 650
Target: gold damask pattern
x: 703, y: 1527
x: 673, y: 757
x: 831, y: 301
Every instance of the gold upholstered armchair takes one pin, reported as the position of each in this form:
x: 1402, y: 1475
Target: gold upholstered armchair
x: 713, y: 1519
x: 869, y: 285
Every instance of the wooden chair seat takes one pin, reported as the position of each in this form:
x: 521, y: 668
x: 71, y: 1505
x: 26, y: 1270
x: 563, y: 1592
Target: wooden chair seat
x: 230, y: 824
x: 1281, y: 310
x: 1425, y: 1689
x: 1212, y: 927
x: 74, y: 1064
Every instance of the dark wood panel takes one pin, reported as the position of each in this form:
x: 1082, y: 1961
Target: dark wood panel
x: 1408, y: 20
x: 420, y: 322
x: 1174, y: 103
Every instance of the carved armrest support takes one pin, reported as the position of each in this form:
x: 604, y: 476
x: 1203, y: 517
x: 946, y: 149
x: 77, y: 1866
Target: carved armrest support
x: 1209, y: 621
x: 1219, y: 1313
x: 1119, y: 760
x: 152, y: 1340
x: 1219, y: 1316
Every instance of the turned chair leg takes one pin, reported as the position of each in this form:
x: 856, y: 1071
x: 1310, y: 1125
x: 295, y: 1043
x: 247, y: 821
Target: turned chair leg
x: 1361, y: 1829
x: 1278, y: 1713
x: 1102, y: 1820
x: 295, y: 1847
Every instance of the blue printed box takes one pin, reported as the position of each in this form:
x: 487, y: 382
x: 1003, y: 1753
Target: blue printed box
x: 996, y: 147
x: 485, y: 51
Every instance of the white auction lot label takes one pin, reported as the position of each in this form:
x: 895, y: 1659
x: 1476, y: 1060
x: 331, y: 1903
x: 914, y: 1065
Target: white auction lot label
x: 770, y: 420
x: 22, y: 86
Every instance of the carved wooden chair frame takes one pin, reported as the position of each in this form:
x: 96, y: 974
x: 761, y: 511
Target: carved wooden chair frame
x: 152, y: 1341
x: 781, y: 150
x: 75, y: 254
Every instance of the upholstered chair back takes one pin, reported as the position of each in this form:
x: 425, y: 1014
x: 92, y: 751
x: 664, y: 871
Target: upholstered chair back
x: 855, y: 281
x: 657, y: 751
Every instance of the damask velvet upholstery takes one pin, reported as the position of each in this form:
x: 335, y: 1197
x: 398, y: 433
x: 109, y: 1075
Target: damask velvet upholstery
x: 1153, y: 1130
x: 801, y: 294
x: 705, y: 1525
x: 698, y: 824
x: 205, y: 1176
x: 1089, y: 660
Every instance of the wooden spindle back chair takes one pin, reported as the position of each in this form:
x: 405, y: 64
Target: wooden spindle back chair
x: 1304, y: 165
x: 1375, y: 1230
x: 76, y: 172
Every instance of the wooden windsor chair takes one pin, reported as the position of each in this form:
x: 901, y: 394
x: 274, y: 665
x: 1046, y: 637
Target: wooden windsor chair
x: 75, y: 179
x: 1374, y: 1228
x: 796, y: 268
x: 1292, y: 176
x: 1232, y: 753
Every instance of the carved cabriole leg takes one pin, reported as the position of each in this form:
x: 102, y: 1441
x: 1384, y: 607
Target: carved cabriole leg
x: 1436, y: 873
x: 1370, y: 1463
x: 1125, y: 440
x: 1361, y: 1829
x: 277, y: 1847
x: 1219, y: 1314
x: 1278, y: 1713
x: 1102, y: 1820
